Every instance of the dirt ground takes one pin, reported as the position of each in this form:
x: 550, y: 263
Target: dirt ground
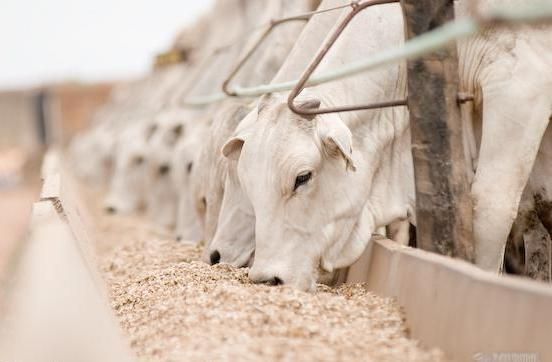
x: 173, y: 307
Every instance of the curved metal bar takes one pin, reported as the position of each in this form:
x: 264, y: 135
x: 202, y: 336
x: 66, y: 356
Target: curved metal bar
x: 273, y: 24
x: 357, y: 8
x: 540, y: 12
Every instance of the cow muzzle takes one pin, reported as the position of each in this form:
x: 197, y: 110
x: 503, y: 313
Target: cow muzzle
x: 282, y: 276
x: 265, y: 279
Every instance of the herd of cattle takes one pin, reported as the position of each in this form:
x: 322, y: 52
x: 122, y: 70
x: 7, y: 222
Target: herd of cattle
x: 295, y: 197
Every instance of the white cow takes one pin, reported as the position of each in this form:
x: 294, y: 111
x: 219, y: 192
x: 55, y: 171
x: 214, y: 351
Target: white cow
x: 148, y: 104
x: 231, y: 22
x: 206, y: 183
x: 233, y: 241
x: 530, y: 244
x: 234, y: 232
x: 162, y: 196
x: 126, y: 180
x: 93, y: 152
x: 186, y: 178
x: 127, y: 188
x: 260, y: 68
x: 320, y: 186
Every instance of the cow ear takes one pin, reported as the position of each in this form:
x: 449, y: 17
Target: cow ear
x: 177, y: 131
x: 337, y: 140
x: 232, y: 148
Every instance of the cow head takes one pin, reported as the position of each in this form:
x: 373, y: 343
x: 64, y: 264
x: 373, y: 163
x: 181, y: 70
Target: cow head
x: 188, y: 177
x: 128, y: 185
x: 302, y: 179
x: 234, y: 239
x: 92, y: 154
x: 221, y: 204
x: 161, y: 190
x: 174, y: 129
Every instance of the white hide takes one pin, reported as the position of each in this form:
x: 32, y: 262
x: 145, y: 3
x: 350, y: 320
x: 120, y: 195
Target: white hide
x: 530, y: 245
x: 207, y: 183
x: 228, y: 210
x: 232, y: 20
x: 185, y: 164
x: 327, y: 222
x: 127, y: 189
x: 91, y: 154
x: 234, y: 235
x: 162, y: 196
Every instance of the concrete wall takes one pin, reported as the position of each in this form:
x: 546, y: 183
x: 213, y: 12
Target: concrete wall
x: 53, y: 114
x: 18, y: 120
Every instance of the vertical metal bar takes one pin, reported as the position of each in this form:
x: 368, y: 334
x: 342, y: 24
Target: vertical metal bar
x: 40, y: 116
x: 443, y: 202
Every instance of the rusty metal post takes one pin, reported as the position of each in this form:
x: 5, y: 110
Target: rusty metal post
x: 443, y: 202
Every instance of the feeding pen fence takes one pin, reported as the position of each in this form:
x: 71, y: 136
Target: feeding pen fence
x: 449, y: 303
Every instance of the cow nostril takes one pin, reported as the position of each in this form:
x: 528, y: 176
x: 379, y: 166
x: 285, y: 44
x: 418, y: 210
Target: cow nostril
x: 275, y: 281
x: 215, y: 257
x: 164, y: 169
x: 110, y: 210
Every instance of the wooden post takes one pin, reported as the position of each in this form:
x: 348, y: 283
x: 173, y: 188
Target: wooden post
x: 443, y: 203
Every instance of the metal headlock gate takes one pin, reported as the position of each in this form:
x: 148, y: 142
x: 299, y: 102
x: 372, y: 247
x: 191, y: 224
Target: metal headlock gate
x: 443, y: 203
x: 468, y: 313
x: 420, y: 45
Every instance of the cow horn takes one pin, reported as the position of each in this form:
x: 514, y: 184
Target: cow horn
x: 309, y: 104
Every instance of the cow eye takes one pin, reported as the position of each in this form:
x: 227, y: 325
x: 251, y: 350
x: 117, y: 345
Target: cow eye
x: 302, y: 179
x: 202, y: 206
x: 177, y: 130
x: 151, y: 131
x: 138, y: 160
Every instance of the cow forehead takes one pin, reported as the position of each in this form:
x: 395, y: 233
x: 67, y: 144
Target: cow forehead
x: 131, y: 148
x: 277, y: 139
x: 158, y: 153
x: 273, y: 155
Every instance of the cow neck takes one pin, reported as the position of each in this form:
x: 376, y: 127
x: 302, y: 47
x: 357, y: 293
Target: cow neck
x: 308, y: 42
x: 268, y: 59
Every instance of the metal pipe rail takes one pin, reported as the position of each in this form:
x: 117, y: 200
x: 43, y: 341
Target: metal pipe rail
x: 431, y: 41
x: 273, y: 24
x: 268, y: 28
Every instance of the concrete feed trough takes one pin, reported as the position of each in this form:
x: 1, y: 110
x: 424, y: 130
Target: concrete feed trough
x: 171, y: 306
